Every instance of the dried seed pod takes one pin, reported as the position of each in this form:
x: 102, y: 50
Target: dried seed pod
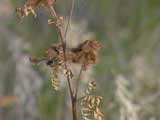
x: 90, y: 108
x: 57, y: 67
x: 86, y: 53
x: 29, y: 10
x: 54, y: 79
x: 90, y: 104
x: 98, y: 100
x: 91, y: 87
x: 86, y: 113
x: 69, y: 73
x: 26, y: 11
x: 55, y: 84
x: 98, y: 115
x: 20, y: 12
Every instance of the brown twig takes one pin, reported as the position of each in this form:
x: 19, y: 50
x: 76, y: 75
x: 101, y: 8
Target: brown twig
x: 70, y: 17
x: 74, y: 111
x: 78, y: 81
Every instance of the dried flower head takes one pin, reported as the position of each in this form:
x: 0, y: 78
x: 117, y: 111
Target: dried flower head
x: 86, y: 53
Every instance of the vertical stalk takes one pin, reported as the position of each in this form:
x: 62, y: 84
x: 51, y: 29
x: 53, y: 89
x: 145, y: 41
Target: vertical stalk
x: 74, y: 109
x: 60, y: 30
x: 78, y: 81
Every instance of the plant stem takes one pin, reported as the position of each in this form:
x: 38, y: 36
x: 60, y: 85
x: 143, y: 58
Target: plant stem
x: 78, y: 81
x: 69, y: 19
x: 60, y: 30
x: 53, y: 13
x: 74, y: 109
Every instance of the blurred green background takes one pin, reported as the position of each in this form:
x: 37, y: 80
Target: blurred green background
x: 128, y: 72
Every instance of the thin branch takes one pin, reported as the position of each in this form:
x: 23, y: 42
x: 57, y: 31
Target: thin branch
x: 53, y: 13
x: 78, y: 81
x: 70, y: 17
x: 63, y: 41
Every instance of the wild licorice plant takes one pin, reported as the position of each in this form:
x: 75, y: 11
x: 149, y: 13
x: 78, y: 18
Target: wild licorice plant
x: 58, y: 57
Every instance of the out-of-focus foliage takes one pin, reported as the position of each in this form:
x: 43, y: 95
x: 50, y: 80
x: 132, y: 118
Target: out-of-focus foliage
x: 128, y: 69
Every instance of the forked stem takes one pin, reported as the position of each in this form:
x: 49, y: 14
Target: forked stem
x: 60, y: 30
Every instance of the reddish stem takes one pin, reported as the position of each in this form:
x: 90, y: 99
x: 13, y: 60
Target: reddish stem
x: 74, y: 109
x: 73, y: 98
x: 78, y: 81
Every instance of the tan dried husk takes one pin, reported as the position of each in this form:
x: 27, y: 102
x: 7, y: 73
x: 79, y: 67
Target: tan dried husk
x: 56, y: 68
x: 90, y: 104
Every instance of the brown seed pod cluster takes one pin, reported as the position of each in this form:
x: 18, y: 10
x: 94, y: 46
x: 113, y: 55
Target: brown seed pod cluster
x: 86, y: 53
x: 90, y: 104
x: 91, y: 87
x: 30, y: 6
